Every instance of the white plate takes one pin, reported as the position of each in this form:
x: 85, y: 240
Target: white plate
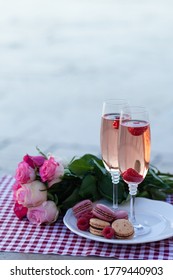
x: 157, y: 214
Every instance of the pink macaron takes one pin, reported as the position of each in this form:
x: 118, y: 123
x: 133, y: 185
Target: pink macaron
x: 82, y: 208
x: 103, y: 212
x: 121, y: 214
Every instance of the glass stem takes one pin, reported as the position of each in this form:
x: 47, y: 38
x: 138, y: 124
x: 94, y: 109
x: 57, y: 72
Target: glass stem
x: 115, y: 175
x: 133, y: 192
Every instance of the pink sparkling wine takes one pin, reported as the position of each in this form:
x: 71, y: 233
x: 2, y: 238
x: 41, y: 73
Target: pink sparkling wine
x: 134, y: 150
x: 109, y: 140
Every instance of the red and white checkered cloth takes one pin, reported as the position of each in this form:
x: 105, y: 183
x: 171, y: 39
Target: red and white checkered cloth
x: 21, y: 236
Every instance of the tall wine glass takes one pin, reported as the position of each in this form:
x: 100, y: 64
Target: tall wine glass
x: 109, y: 141
x: 134, y: 154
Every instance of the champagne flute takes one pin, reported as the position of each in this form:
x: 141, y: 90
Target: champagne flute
x: 109, y: 141
x: 134, y: 154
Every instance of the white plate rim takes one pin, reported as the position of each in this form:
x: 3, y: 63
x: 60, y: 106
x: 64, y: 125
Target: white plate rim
x: 161, y: 208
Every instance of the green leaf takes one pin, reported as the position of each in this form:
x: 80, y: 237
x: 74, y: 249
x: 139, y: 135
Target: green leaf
x: 89, y: 159
x: 144, y: 194
x: 105, y: 187
x: 50, y: 196
x: 88, y: 188
x: 100, y: 167
x: 56, y: 199
x: 151, y: 171
x: 80, y: 167
x: 53, y: 197
x: 71, y: 200
x: 158, y: 195
x: 41, y: 153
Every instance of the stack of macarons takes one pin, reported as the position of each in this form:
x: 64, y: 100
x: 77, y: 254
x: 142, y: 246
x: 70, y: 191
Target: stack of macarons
x: 97, y: 226
x: 100, y: 220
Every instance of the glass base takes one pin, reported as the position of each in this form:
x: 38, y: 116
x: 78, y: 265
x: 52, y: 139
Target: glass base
x: 141, y: 229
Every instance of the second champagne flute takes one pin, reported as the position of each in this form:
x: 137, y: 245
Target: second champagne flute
x: 134, y: 155
x: 109, y: 141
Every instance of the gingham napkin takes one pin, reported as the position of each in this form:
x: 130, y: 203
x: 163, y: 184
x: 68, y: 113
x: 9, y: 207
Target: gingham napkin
x: 21, y: 236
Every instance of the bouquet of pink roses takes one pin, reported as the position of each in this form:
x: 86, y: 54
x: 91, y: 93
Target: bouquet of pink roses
x: 44, y: 186
x: 34, y: 176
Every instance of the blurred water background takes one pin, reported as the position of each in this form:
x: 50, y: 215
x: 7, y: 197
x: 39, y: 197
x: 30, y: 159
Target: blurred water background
x: 60, y: 59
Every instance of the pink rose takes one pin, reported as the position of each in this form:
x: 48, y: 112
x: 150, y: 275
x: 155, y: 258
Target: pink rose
x: 34, y: 161
x: 24, y: 173
x: 31, y: 194
x: 47, y: 213
x: 51, y: 170
x: 59, y: 172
